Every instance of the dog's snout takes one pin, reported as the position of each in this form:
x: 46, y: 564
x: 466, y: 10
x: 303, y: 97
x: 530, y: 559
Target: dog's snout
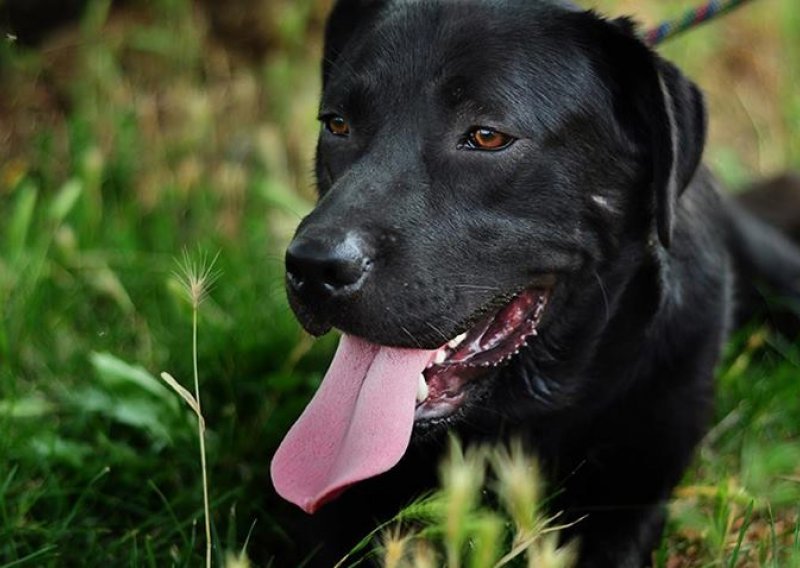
x: 323, y: 266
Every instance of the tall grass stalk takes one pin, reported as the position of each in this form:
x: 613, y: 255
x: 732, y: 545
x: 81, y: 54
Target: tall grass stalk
x: 197, y: 277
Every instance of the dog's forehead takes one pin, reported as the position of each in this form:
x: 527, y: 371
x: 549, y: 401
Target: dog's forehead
x: 427, y: 36
x: 488, y: 51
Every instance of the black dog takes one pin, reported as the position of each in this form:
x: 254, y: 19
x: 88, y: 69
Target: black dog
x: 511, y: 208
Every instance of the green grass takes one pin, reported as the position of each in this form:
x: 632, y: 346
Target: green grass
x: 157, y: 140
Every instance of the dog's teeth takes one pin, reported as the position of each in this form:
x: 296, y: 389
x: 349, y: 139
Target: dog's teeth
x: 453, y: 343
x: 422, y: 389
x: 440, y: 356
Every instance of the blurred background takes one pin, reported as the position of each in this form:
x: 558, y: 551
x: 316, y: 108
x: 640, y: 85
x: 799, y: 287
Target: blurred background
x: 132, y: 130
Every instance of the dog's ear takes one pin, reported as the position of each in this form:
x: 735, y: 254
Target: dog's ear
x: 346, y: 16
x: 678, y: 137
x: 668, y: 113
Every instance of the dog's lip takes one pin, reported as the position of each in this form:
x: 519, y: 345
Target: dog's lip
x: 318, y: 326
x: 543, y: 281
x: 491, y: 343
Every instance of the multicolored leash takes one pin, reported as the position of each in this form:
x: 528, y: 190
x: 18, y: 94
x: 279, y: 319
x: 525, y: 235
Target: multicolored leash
x: 690, y: 19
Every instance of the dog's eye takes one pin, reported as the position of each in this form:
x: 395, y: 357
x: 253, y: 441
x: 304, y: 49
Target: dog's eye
x: 487, y: 139
x: 336, y: 124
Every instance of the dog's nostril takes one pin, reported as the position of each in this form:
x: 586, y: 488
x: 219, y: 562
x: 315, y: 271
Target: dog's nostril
x: 324, y: 266
x: 294, y: 280
x: 342, y: 272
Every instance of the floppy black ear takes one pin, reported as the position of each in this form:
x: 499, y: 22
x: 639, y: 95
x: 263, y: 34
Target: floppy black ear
x: 678, y: 137
x: 346, y: 16
x: 668, y: 113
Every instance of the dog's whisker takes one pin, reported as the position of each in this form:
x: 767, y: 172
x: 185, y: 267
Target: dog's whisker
x: 477, y: 287
x: 410, y: 335
x: 605, y: 296
x: 438, y: 331
x: 450, y: 320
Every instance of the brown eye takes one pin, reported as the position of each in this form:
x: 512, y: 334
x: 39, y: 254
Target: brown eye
x: 488, y: 139
x: 337, y: 125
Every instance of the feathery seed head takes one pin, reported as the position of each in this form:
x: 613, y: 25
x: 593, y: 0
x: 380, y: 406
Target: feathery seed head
x: 197, y: 275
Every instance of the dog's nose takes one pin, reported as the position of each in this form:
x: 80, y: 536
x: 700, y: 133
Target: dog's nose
x: 319, y: 265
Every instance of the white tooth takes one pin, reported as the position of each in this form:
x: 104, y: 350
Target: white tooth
x: 453, y: 343
x: 422, y: 389
x: 440, y: 356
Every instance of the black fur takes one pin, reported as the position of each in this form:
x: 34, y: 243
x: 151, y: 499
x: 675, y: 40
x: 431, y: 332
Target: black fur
x: 601, y: 190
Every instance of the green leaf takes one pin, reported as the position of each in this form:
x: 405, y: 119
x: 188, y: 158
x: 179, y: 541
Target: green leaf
x: 65, y: 201
x: 20, y: 221
x: 138, y: 413
x: 51, y: 447
x: 28, y: 407
x: 115, y: 374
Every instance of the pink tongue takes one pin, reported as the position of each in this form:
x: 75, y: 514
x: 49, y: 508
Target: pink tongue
x: 358, y: 424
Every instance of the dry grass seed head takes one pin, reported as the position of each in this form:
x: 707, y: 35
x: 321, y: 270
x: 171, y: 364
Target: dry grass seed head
x: 394, y: 545
x: 462, y: 477
x: 197, y: 275
x: 424, y: 556
x: 545, y: 553
x: 486, y: 541
x: 519, y: 487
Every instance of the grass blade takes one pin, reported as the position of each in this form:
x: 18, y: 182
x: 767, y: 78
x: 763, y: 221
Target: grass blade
x: 742, y: 530
x: 30, y: 557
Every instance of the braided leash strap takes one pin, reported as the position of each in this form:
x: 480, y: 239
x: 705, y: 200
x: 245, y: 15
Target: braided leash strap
x: 690, y: 19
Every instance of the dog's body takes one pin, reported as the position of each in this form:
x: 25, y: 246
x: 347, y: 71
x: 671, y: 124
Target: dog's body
x: 594, y: 200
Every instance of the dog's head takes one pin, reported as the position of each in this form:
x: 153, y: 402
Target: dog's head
x: 490, y: 174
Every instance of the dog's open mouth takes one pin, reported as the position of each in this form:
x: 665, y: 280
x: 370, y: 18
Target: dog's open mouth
x: 359, y: 423
x: 491, y: 342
